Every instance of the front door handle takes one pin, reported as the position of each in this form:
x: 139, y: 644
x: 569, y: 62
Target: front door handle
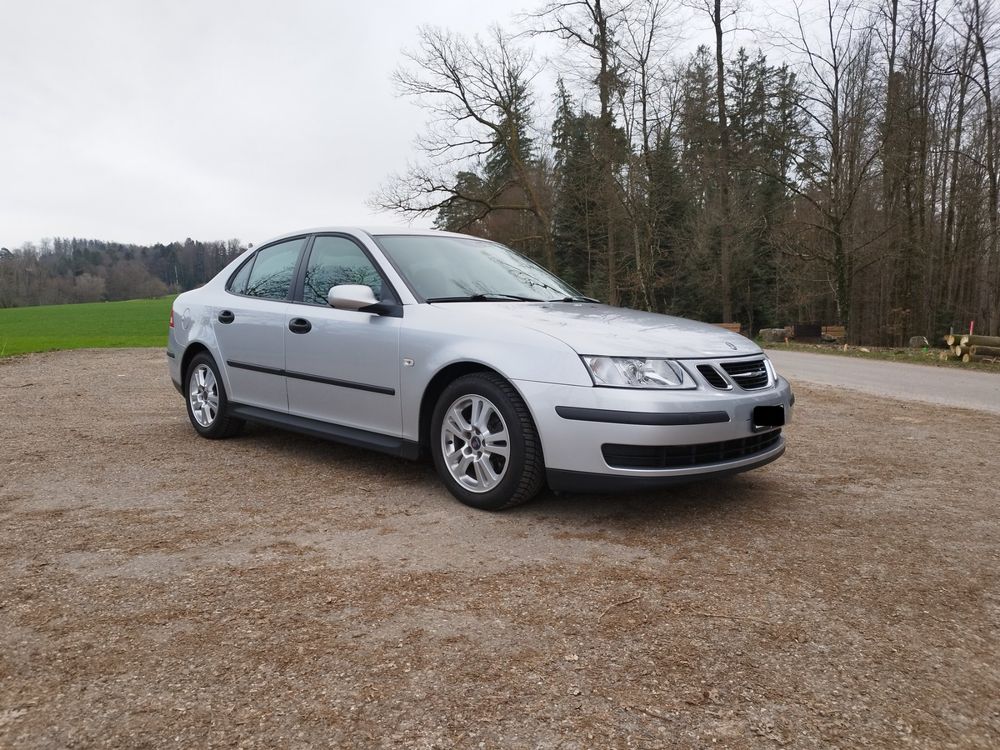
x: 299, y: 325
x: 226, y: 316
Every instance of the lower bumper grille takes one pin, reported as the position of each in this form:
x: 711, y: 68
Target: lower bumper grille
x: 680, y: 456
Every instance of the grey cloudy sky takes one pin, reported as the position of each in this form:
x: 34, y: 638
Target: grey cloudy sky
x: 142, y: 122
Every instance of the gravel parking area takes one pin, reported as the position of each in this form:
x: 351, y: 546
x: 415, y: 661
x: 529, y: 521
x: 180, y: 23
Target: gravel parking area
x: 158, y: 590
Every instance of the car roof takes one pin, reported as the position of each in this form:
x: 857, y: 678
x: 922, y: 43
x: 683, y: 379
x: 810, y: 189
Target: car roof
x: 374, y: 231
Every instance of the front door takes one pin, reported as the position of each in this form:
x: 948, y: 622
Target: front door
x: 342, y: 366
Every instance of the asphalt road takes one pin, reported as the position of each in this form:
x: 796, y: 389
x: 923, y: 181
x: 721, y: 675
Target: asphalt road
x: 944, y: 386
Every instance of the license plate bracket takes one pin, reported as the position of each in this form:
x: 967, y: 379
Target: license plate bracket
x: 768, y: 417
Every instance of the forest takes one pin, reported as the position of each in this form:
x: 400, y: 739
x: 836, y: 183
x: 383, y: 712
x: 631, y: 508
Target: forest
x: 843, y: 171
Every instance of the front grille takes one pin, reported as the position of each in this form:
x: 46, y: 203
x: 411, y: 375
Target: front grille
x: 713, y: 377
x: 747, y: 375
x: 680, y: 456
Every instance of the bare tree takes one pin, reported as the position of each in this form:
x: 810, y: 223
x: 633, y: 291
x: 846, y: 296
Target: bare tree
x: 593, y: 26
x: 720, y: 12
x: 646, y: 112
x: 982, y: 31
x: 841, y: 107
x: 477, y: 92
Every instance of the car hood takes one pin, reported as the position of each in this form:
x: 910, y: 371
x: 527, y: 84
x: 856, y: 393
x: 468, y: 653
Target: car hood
x: 615, y: 331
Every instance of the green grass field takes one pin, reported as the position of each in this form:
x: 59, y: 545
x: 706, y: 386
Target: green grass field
x: 140, y: 322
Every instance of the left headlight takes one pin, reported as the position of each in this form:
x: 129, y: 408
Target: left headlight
x: 637, y: 372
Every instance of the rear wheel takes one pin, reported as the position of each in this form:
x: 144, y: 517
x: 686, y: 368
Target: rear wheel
x: 207, y: 405
x: 485, y: 445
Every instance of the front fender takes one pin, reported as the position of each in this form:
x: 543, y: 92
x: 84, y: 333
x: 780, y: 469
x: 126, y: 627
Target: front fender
x: 434, y: 340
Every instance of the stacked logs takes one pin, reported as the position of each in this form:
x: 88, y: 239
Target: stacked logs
x: 969, y: 348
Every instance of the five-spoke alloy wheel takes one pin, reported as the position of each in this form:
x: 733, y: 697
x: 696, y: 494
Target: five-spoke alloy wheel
x: 207, y: 405
x: 203, y: 395
x: 484, y: 443
x: 475, y: 443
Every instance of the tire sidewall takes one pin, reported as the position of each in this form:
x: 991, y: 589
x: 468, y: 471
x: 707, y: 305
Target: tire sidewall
x: 217, y: 427
x: 500, y: 495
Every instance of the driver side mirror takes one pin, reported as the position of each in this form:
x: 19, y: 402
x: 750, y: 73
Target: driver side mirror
x: 351, y: 296
x: 361, y: 298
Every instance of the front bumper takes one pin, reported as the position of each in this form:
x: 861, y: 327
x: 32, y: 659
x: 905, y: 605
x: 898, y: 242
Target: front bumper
x: 587, y: 483
x: 574, y: 422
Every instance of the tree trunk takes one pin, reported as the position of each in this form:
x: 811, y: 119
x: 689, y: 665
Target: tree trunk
x: 607, y: 145
x: 985, y: 295
x: 725, y: 228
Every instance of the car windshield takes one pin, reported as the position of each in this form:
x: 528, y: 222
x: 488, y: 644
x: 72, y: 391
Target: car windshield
x: 447, y: 269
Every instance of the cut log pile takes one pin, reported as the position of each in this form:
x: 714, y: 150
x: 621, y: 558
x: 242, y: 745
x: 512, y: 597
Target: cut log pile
x: 970, y: 348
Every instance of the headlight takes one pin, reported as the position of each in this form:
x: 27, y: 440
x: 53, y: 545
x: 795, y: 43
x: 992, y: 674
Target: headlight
x: 636, y: 372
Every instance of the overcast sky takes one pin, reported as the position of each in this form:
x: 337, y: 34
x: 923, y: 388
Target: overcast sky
x: 141, y: 121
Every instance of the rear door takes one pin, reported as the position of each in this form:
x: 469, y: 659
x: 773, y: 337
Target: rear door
x: 342, y: 365
x: 250, y: 325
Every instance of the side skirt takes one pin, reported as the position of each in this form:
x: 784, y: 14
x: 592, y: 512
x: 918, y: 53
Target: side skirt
x: 375, y: 441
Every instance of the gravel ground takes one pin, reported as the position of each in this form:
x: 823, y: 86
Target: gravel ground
x: 158, y: 590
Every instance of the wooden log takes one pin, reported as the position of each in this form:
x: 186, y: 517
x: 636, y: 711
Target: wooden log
x: 966, y: 358
x: 836, y: 333
x: 984, y: 351
x: 981, y: 340
x: 953, y: 339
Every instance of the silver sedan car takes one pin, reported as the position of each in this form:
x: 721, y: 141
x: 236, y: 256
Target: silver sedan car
x: 417, y: 342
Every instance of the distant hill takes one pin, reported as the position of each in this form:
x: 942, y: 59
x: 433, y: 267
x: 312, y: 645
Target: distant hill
x: 67, y: 270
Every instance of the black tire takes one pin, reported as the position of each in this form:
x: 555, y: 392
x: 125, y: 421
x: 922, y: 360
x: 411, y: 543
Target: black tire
x: 524, y: 474
x: 223, y: 425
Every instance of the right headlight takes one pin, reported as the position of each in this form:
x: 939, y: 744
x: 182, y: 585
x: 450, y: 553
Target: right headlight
x: 637, y: 372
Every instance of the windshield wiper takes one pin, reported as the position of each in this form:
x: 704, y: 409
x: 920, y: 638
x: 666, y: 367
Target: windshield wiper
x: 485, y: 297
x: 577, y: 298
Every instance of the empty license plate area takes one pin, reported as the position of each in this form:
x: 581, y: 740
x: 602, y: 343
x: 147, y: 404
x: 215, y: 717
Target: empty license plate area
x: 766, y: 417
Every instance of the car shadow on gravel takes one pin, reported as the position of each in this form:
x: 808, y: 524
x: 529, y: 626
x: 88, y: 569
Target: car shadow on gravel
x: 697, y: 500
x: 285, y: 445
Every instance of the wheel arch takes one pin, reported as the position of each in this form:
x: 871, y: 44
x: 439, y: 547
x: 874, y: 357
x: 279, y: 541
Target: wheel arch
x: 195, y: 347
x: 435, y: 387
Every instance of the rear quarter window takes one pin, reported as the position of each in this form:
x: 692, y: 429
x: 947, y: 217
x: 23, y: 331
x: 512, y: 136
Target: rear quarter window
x: 238, y: 282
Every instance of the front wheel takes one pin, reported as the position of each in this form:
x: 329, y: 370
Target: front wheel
x: 485, y: 445
x: 207, y: 405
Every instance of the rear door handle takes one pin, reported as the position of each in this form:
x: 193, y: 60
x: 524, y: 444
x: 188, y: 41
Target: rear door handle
x: 299, y: 325
x: 226, y: 316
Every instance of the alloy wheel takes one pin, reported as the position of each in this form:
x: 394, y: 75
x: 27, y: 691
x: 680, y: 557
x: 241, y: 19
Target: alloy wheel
x: 475, y: 443
x: 203, y: 394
